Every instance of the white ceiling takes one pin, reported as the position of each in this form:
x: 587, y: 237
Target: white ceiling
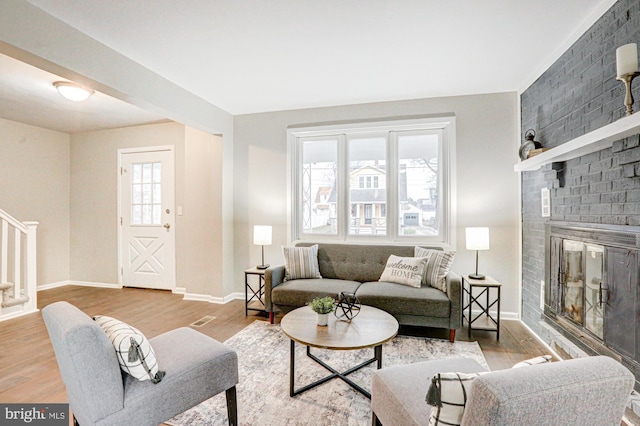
x: 264, y: 55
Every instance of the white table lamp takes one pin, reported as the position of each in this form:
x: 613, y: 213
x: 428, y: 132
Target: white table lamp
x: 477, y: 239
x: 262, y: 237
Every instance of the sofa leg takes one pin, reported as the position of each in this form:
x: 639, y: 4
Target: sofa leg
x: 272, y: 317
x: 232, y: 406
x: 452, y: 335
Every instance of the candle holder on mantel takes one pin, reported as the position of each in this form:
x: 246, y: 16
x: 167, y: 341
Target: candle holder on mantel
x: 627, y: 70
x: 628, y: 98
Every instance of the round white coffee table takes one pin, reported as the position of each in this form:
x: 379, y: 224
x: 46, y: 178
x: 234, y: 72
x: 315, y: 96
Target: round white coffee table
x: 371, y: 328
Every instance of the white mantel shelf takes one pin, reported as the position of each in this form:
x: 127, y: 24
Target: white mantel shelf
x: 586, y: 144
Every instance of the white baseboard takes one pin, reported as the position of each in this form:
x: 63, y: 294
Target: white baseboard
x: 80, y: 283
x: 510, y: 316
x: 213, y: 299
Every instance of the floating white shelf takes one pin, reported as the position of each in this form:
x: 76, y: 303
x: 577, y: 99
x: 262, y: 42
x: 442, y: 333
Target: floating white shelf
x: 586, y: 144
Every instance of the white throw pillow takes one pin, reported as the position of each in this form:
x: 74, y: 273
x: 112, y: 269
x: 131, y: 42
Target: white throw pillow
x: 534, y: 361
x: 448, y: 394
x: 404, y: 270
x: 135, y: 354
x: 437, y: 268
x: 301, y: 262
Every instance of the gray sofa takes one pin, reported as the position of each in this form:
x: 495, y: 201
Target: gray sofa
x: 356, y: 269
x: 584, y: 391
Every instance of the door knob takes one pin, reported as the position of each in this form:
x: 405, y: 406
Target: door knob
x: 167, y: 226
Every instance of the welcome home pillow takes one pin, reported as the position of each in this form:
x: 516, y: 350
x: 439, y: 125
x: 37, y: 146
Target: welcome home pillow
x: 301, y: 262
x: 448, y: 395
x: 437, y: 267
x: 134, y: 352
x: 404, y: 270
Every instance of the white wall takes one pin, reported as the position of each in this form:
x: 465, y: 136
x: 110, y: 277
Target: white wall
x: 487, y: 187
x: 34, y: 186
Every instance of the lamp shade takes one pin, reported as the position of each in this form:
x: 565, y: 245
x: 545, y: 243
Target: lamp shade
x: 477, y: 238
x: 262, y: 235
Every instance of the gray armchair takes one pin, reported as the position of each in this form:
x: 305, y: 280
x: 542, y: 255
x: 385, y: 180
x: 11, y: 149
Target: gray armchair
x: 577, y: 392
x: 197, y: 367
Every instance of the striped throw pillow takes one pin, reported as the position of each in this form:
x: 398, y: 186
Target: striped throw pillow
x: 448, y: 395
x: 301, y: 262
x: 135, y: 354
x: 437, y: 267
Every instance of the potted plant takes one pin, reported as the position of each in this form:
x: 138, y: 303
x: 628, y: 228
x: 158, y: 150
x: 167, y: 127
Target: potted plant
x: 322, y: 306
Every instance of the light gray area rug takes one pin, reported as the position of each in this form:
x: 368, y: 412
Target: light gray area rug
x: 263, y: 390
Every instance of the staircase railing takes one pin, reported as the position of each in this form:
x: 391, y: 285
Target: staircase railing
x: 18, y: 292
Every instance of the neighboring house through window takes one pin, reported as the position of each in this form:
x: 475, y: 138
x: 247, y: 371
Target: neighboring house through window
x: 384, y: 181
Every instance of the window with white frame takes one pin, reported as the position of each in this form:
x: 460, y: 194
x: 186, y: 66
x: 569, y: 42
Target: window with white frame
x: 382, y: 181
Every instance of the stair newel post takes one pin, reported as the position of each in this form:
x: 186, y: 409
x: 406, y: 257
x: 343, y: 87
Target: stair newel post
x: 31, y: 267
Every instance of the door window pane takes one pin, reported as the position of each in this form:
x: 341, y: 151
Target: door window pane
x: 146, y: 193
x: 319, y: 196
x: 418, y: 184
x: 367, y: 163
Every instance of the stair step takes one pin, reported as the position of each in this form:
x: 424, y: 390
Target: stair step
x: 6, y: 286
x: 10, y: 301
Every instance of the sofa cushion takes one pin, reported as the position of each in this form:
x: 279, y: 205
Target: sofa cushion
x: 399, y: 299
x: 301, y: 262
x: 404, y: 270
x: 301, y: 292
x: 398, y: 392
x: 437, y: 267
x: 355, y: 262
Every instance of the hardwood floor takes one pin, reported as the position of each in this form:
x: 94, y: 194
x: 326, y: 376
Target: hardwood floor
x: 29, y: 372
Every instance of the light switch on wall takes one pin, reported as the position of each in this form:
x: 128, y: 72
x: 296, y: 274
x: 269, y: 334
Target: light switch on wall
x: 179, y: 210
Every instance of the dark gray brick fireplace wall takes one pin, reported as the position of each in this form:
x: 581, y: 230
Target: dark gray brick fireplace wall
x: 577, y: 94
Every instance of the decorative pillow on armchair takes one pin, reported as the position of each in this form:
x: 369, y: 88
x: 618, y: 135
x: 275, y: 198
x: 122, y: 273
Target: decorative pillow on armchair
x: 437, y: 267
x: 448, y: 395
x: 534, y: 361
x: 301, y: 262
x: 135, y: 354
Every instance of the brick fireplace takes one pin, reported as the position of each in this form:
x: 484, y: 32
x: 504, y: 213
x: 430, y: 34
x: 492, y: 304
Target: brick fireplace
x: 577, y: 95
x: 591, y: 288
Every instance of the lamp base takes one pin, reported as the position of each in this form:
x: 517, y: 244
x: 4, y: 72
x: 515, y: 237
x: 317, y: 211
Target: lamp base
x: 477, y: 276
x: 263, y: 266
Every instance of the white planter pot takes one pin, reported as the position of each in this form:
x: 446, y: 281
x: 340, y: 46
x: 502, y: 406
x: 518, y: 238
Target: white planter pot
x: 323, y: 319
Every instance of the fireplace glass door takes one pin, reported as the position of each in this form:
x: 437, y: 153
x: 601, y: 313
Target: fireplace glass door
x: 583, y: 267
x: 593, y: 303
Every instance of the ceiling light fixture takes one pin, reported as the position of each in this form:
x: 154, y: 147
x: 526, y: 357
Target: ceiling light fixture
x: 73, y: 91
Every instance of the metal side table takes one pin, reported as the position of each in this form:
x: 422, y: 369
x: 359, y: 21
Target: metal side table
x: 475, y: 290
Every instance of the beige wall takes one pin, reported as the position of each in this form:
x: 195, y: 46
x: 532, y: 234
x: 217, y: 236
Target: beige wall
x: 94, y: 204
x: 34, y: 186
x: 199, y: 228
x: 487, y: 187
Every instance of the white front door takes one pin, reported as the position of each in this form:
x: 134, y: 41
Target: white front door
x: 146, y: 215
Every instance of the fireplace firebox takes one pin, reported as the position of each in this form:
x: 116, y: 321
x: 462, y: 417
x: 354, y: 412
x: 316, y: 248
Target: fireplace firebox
x: 591, y: 288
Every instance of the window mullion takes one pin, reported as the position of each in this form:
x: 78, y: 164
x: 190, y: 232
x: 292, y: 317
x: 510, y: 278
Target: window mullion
x: 392, y: 186
x: 343, y: 184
